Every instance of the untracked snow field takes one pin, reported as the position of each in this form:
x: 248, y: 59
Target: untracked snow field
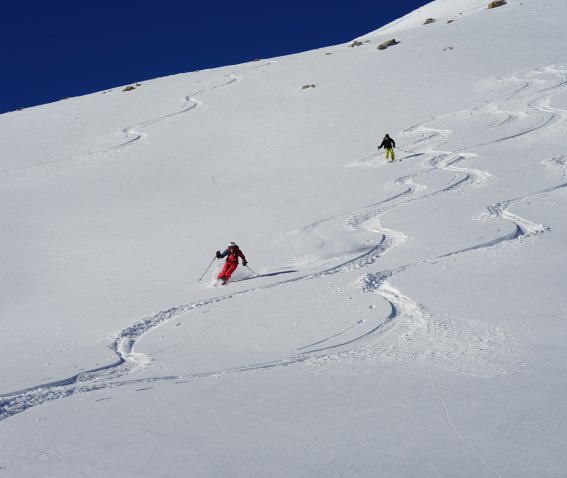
x: 402, y: 319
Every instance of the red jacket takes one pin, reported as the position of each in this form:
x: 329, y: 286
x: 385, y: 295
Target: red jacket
x: 233, y: 254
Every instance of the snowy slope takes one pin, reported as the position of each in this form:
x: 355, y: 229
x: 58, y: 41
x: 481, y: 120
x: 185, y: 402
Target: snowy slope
x: 407, y: 319
x: 446, y: 11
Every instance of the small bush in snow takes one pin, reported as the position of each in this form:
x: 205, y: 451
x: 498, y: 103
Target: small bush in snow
x: 387, y: 44
x: 308, y: 86
x: 129, y: 88
x: 355, y: 43
x: 428, y: 21
x: 496, y: 3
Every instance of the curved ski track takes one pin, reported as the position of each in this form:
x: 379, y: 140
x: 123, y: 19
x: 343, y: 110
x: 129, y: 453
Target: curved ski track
x: 133, y: 134
x: 536, y: 94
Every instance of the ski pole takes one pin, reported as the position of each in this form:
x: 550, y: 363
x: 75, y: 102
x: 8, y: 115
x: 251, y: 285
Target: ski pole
x: 207, y: 269
x: 251, y: 270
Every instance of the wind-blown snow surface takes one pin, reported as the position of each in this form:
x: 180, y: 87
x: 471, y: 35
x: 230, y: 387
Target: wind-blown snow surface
x: 407, y: 319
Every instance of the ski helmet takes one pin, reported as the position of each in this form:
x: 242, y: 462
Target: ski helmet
x: 232, y: 243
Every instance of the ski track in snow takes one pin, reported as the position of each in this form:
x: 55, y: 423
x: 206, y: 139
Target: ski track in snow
x: 134, y: 133
x: 448, y: 420
x: 462, y: 345
x: 450, y: 344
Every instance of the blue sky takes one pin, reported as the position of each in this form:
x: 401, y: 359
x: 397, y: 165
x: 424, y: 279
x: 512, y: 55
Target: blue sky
x: 54, y: 49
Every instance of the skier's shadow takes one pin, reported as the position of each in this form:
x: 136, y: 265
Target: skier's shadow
x: 268, y: 274
x: 411, y: 156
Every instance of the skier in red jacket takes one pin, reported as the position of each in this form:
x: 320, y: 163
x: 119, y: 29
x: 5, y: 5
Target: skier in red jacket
x: 232, y: 253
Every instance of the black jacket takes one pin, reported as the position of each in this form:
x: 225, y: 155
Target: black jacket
x: 387, y: 143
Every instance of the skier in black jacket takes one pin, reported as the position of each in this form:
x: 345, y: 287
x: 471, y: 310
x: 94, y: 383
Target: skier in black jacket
x: 388, y: 144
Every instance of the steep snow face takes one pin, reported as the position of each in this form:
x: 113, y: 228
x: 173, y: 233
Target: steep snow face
x: 396, y: 319
x: 439, y: 11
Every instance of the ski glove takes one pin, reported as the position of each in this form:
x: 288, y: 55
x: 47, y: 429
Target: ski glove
x: 218, y: 254
x: 244, y: 262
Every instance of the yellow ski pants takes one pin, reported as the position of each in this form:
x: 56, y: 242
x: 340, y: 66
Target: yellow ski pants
x: 390, y: 152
